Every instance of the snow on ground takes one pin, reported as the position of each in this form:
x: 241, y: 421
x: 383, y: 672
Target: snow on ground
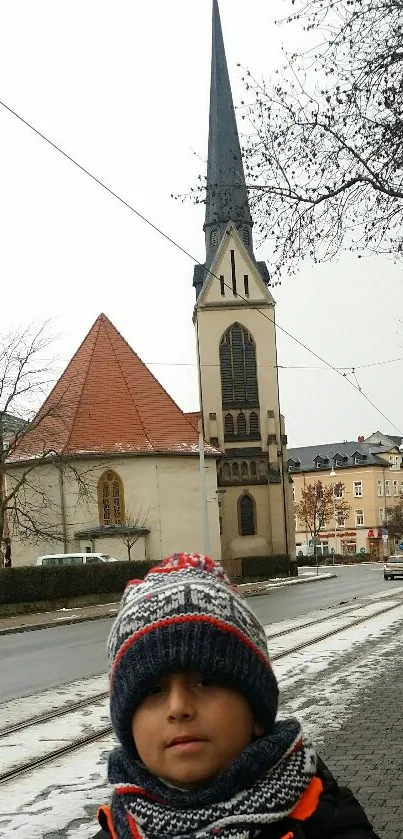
x: 40, y: 740
x: 19, y: 710
x: 319, y: 684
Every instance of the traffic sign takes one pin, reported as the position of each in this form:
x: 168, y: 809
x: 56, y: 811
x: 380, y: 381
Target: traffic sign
x: 400, y: 546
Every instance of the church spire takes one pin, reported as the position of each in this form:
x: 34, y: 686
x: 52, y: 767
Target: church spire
x: 226, y: 196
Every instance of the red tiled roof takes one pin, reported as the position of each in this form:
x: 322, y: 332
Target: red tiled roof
x: 194, y: 417
x: 108, y: 402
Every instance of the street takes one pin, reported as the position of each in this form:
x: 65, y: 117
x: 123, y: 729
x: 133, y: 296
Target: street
x: 33, y: 661
x: 339, y: 671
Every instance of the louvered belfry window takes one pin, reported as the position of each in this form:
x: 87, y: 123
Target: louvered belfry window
x: 239, y: 386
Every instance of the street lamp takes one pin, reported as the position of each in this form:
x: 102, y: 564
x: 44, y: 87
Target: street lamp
x: 333, y: 475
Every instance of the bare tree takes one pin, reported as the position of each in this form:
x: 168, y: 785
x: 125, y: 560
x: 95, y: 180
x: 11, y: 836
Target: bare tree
x: 33, y: 466
x: 134, y: 527
x: 394, y: 518
x: 318, y: 504
x: 324, y: 160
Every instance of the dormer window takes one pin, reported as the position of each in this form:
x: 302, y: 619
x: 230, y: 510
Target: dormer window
x: 320, y: 461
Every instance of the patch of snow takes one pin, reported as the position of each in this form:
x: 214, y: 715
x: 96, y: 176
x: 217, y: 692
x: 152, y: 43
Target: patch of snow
x: 54, y: 699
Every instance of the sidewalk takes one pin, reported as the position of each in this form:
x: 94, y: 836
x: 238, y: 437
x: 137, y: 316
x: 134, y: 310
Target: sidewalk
x: 46, y: 620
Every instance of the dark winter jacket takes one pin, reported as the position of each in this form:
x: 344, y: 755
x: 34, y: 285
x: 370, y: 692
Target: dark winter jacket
x: 335, y: 814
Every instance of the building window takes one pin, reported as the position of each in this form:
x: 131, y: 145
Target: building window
x: 246, y: 236
x: 395, y: 461
x: 226, y: 471
x: 214, y: 237
x: 357, y: 489
x: 254, y: 423
x: 382, y: 515
x: 359, y: 518
x: 244, y: 469
x: 340, y: 519
x: 110, y: 499
x: 295, y: 522
x: 222, y: 286
x: 241, y: 425
x: 388, y: 490
x: 293, y: 492
x: 235, y: 470
x: 229, y: 424
x: 238, y: 367
x: 246, y: 285
x: 253, y: 469
x: 338, y: 491
x: 246, y: 516
x: 395, y: 487
x: 262, y: 469
x: 380, y: 488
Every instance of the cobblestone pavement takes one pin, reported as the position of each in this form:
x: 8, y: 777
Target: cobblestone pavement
x: 366, y: 753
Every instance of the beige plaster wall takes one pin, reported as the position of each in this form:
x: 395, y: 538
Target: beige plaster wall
x: 167, y: 489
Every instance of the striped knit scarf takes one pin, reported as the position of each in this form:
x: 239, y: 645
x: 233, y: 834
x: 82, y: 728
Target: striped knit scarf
x: 262, y: 786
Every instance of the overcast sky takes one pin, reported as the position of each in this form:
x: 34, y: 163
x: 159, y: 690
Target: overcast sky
x: 123, y: 87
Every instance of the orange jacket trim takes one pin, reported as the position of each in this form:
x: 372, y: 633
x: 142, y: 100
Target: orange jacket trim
x: 309, y: 800
x: 107, y: 814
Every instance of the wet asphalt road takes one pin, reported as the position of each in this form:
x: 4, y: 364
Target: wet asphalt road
x: 33, y: 661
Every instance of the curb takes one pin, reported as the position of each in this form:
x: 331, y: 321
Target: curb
x: 265, y: 587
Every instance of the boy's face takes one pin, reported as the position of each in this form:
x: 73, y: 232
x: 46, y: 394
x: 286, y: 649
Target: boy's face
x: 188, y: 729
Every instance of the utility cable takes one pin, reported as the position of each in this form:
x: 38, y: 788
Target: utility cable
x: 196, y: 261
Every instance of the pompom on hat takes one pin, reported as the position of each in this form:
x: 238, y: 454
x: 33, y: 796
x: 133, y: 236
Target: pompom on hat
x: 186, y: 615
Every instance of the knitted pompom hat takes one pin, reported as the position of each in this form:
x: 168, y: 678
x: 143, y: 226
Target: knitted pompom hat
x: 186, y: 615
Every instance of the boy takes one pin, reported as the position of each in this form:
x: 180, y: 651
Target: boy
x: 193, y: 703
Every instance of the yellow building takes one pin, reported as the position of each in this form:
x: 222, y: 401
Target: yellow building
x: 372, y: 474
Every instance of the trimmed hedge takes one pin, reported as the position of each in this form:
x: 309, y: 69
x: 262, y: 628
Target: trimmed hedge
x: 339, y: 559
x: 256, y: 568
x: 34, y: 583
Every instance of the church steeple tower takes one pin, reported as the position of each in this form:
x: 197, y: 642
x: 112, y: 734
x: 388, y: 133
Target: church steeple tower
x: 226, y: 193
x: 226, y: 196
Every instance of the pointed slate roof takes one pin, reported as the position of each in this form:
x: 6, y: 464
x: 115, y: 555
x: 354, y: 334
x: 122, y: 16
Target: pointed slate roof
x: 227, y: 196
x: 108, y: 402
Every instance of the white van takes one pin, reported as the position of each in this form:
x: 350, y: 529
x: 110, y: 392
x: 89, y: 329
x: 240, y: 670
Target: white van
x: 73, y: 559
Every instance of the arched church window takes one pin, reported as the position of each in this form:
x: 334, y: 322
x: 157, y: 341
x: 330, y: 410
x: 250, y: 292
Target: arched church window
x: 241, y: 425
x: 246, y: 516
x: 262, y: 469
x: 111, y: 499
x: 226, y: 472
x: 253, y: 469
x: 244, y: 469
x: 254, y: 423
x: 235, y: 470
x: 229, y: 424
x: 238, y: 368
x: 214, y: 237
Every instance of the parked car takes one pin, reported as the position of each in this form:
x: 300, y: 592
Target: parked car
x: 73, y: 559
x: 393, y: 567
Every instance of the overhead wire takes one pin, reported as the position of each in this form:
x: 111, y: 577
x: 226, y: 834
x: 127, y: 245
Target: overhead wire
x: 176, y: 244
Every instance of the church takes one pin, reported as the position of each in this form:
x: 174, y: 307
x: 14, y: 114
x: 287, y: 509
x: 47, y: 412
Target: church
x: 139, y: 455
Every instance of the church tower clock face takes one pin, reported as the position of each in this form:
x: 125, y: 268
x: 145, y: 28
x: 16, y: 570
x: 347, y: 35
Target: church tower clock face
x: 234, y: 319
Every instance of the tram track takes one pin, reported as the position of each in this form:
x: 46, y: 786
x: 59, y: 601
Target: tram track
x: 29, y: 765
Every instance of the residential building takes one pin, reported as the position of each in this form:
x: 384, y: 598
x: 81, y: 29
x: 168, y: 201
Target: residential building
x: 234, y: 319
x: 372, y: 476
